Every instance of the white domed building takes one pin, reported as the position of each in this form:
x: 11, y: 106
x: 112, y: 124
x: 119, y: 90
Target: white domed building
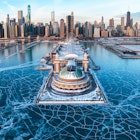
x: 71, y: 78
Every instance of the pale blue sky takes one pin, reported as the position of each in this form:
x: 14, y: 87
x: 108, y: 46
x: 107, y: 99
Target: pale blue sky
x: 84, y: 10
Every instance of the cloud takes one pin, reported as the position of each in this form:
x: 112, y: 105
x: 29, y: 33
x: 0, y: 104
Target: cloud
x: 11, y: 7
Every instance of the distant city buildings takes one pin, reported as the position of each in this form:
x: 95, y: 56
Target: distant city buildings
x: 96, y: 32
x: 62, y: 28
x: 28, y: 18
x: 56, y: 28
x: 111, y: 22
x: 128, y: 19
x: 20, y: 17
x: 52, y: 17
x: 66, y: 28
x: 122, y: 23
x: 70, y: 26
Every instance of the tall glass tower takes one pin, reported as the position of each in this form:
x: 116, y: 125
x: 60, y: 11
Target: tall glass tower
x: 70, y: 26
x: 29, y: 14
x: 128, y: 19
x: 20, y: 17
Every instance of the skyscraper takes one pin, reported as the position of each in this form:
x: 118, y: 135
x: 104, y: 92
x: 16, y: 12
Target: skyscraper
x: 86, y: 29
x: 47, y: 31
x: 7, y: 19
x: 90, y: 30
x: 1, y: 30
x: 122, y: 21
x: 69, y: 25
x: 56, y: 28
x: 20, y: 17
x: 77, y: 31
x: 28, y: 18
x: 12, y: 27
x: 62, y: 27
x: 72, y: 22
x: 102, y: 24
x: 22, y: 31
x: 102, y: 20
x: 52, y: 17
x: 131, y: 22
x: 5, y: 26
x: 111, y: 22
x: 128, y: 19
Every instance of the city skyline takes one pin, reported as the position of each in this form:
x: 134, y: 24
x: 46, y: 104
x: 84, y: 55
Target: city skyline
x: 93, y: 9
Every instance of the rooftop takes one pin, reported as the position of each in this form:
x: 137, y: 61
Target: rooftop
x: 76, y: 74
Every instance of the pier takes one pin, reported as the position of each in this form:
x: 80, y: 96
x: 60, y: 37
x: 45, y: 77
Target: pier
x: 122, y: 47
x: 71, y: 80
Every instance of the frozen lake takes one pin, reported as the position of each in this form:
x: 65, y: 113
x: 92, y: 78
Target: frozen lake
x: 20, y: 82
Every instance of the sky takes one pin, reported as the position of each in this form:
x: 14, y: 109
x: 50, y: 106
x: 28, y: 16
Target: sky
x: 84, y: 10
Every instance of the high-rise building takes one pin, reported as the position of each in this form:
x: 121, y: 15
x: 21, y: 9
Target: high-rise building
x: 47, y: 31
x: 90, y: 32
x: 102, y: 24
x: 70, y: 26
x: 96, y: 23
x: 20, y: 17
x: 28, y: 18
x: 62, y: 28
x: 131, y: 22
x: 1, y: 30
x: 52, y: 17
x: 16, y: 30
x: 111, y: 22
x: 96, y: 32
x: 12, y: 29
x: 22, y: 31
x: 72, y: 22
x: 77, y: 31
x: 40, y: 29
x: 51, y: 29
x: 128, y: 19
x: 5, y: 26
x: 86, y: 29
x: 122, y: 21
x: 12, y: 20
x: 102, y: 20
x: 20, y: 22
x: 104, y: 33
x: 56, y: 28
x: 136, y: 25
x: 7, y: 19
